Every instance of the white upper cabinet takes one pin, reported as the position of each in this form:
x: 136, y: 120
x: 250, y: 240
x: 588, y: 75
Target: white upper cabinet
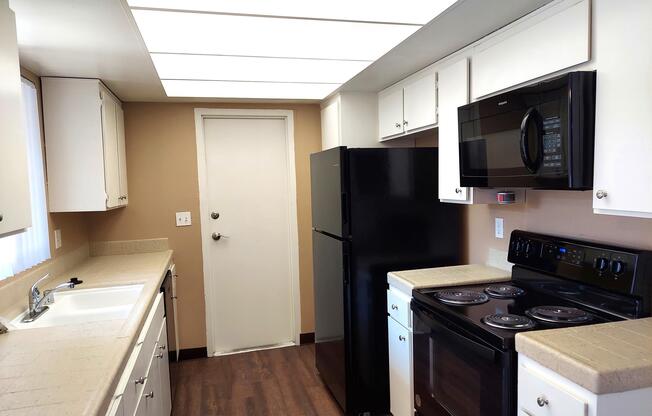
x: 390, y: 112
x: 453, y: 92
x: 623, y: 143
x: 409, y: 106
x: 330, y: 125
x: 350, y: 119
x: 15, y: 211
x: 542, y: 43
x: 85, y: 145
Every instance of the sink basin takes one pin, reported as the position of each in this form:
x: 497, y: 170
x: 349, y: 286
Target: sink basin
x: 85, y: 305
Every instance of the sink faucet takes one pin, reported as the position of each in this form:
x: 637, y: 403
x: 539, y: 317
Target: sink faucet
x: 37, y: 303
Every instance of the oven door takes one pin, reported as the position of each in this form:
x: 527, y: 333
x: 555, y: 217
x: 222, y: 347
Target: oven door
x: 456, y: 374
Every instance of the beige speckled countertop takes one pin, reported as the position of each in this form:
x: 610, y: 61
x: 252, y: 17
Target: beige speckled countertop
x: 603, y: 358
x: 446, y: 276
x: 73, y: 370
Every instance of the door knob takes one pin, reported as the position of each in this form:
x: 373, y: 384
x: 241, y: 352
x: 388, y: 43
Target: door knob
x: 218, y: 236
x: 215, y: 215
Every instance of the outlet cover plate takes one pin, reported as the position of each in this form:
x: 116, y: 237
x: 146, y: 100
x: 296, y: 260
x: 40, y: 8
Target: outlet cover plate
x: 57, y: 239
x: 499, y: 228
x: 183, y: 219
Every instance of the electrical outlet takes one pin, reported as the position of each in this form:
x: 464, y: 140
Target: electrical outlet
x: 499, y: 228
x: 57, y: 239
x: 183, y: 219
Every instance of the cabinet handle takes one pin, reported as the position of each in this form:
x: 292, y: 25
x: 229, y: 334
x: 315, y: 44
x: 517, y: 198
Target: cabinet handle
x: 140, y: 380
x: 149, y: 395
x: 601, y: 194
x: 398, y: 125
x: 1, y: 217
x: 159, y: 355
x: 401, y: 338
x: 458, y: 191
x: 394, y: 307
x: 542, y: 401
x: 405, y: 123
x: 161, y: 347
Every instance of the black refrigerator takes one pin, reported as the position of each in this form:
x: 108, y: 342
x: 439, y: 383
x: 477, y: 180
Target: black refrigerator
x: 373, y: 211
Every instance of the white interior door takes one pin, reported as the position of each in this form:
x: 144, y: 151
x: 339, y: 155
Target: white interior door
x: 247, y: 182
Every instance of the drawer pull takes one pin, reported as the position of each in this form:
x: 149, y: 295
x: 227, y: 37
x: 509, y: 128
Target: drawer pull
x: 401, y: 338
x: 140, y: 380
x: 149, y: 395
x: 542, y: 401
x: 394, y: 307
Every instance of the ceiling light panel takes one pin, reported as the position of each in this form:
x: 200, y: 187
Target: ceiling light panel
x: 407, y: 11
x: 255, y: 90
x: 240, y: 68
x: 198, y: 33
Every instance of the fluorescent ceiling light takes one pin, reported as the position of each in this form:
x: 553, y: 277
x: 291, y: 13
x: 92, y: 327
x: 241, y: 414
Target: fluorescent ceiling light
x: 256, y: 90
x: 241, y: 68
x: 405, y: 11
x: 197, y: 33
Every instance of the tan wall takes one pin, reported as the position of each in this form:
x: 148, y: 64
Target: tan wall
x: 73, y: 226
x: 162, y: 172
x: 562, y: 213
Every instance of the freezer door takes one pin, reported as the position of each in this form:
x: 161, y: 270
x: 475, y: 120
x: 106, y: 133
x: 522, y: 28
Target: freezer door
x: 331, y: 279
x: 328, y: 178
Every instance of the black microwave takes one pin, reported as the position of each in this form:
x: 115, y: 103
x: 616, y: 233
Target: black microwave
x: 540, y: 136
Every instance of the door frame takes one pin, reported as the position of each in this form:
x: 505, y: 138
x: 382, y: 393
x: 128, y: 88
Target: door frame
x: 202, y: 114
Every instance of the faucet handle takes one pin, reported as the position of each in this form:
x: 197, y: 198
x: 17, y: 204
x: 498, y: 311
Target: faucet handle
x: 75, y: 281
x: 34, y: 288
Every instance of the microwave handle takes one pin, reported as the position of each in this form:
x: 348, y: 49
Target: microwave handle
x: 530, y: 115
x: 435, y: 326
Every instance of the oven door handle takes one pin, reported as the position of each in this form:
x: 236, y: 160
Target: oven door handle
x: 482, y: 350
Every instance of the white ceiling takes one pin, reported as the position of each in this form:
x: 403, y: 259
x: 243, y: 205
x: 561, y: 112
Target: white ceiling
x: 99, y: 39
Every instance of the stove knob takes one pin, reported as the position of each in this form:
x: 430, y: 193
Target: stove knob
x: 617, y: 267
x: 601, y: 264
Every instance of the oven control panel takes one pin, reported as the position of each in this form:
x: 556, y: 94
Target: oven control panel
x: 607, y: 267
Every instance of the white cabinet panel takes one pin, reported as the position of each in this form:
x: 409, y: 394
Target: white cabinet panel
x: 420, y: 103
x: 540, y: 396
x: 530, y: 50
x: 110, y: 144
x: 161, y: 356
x: 15, y: 208
x: 398, y: 307
x: 122, y: 155
x: 623, y: 144
x: 453, y: 92
x: 390, y: 112
x: 400, y: 369
x: 330, y: 125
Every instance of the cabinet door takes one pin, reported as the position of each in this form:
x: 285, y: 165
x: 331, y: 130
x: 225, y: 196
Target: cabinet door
x: 623, y: 145
x: 453, y: 92
x: 15, y: 209
x: 400, y: 369
x: 420, y: 103
x: 122, y: 155
x: 390, y: 112
x: 110, y: 145
x: 152, y: 391
x: 165, y: 396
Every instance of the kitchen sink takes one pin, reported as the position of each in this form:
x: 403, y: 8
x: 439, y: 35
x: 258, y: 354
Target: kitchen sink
x: 85, y: 305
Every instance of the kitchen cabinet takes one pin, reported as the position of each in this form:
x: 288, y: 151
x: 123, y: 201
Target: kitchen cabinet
x: 15, y: 209
x: 542, y: 392
x: 409, y: 106
x: 349, y: 119
x: 144, y: 386
x: 85, y: 145
x: 399, y: 332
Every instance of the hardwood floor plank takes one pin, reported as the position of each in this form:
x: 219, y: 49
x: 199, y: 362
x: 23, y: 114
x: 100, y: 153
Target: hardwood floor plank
x: 276, y: 382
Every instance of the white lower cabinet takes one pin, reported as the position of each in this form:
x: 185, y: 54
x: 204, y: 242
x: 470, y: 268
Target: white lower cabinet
x: 401, y: 386
x: 144, y: 387
x: 542, y: 392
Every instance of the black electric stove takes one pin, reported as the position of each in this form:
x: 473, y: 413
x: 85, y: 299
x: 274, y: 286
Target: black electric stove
x: 464, y: 336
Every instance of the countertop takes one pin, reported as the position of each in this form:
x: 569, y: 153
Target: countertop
x: 74, y: 369
x: 446, y: 276
x: 603, y: 358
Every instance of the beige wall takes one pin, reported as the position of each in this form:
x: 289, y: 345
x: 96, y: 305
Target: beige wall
x: 162, y: 172
x: 562, y: 213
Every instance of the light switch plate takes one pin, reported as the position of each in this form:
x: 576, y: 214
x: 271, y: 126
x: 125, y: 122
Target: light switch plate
x: 183, y: 219
x: 57, y: 239
x: 499, y: 228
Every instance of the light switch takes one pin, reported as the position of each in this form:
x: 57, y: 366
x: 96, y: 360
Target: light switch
x: 57, y: 239
x: 183, y: 219
x: 499, y: 228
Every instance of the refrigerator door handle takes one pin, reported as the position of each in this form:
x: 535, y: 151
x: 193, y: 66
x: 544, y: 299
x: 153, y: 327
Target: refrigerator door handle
x: 346, y: 266
x: 345, y: 209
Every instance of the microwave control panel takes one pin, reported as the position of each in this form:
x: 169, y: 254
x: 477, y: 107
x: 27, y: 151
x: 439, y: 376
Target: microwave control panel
x: 553, y: 153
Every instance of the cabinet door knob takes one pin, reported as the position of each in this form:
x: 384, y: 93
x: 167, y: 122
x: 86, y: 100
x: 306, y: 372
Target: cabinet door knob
x: 401, y: 338
x: 405, y: 123
x: 149, y: 395
x: 159, y: 355
x: 601, y: 194
x: 398, y: 125
x: 542, y: 401
x: 140, y: 380
x: 394, y: 307
x: 458, y: 191
x: 161, y: 347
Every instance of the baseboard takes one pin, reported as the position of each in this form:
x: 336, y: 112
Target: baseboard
x: 307, y: 338
x: 192, y: 353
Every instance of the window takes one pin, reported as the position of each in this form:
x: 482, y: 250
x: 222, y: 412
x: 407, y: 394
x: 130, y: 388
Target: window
x: 22, y: 251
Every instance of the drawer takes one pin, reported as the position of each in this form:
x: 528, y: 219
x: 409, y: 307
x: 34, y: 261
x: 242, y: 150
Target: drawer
x: 400, y: 369
x: 398, y: 307
x: 539, y: 395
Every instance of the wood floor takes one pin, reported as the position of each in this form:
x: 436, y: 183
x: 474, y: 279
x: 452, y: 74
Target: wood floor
x: 281, y: 381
